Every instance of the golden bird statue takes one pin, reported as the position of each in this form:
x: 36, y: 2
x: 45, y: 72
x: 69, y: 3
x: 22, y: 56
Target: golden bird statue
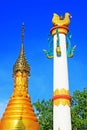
x: 60, y: 21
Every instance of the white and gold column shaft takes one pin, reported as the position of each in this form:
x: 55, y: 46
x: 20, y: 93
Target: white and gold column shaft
x: 61, y: 96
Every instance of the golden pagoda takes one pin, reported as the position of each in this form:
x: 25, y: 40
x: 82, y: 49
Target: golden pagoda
x: 19, y: 114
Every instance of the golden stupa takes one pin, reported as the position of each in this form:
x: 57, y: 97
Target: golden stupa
x: 19, y: 114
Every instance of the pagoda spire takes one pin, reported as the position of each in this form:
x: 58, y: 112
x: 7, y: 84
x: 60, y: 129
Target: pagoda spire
x: 22, y: 33
x: 21, y: 63
x: 19, y: 113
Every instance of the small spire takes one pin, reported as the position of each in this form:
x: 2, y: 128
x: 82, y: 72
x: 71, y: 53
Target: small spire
x: 21, y: 63
x: 22, y: 36
x: 22, y: 33
x: 22, y: 49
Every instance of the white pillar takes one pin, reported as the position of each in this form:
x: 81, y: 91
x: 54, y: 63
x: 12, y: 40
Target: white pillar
x: 61, y: 96
x: 61, y: 108
x: 60, y: 64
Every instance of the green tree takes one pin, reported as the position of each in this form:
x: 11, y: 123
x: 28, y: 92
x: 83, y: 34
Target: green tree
x: 44, y: 111
x: 79, y: 110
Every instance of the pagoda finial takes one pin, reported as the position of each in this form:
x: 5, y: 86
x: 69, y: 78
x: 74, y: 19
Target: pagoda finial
x: 21, y: 63
x: 22, y: 33
x: 22, y: 36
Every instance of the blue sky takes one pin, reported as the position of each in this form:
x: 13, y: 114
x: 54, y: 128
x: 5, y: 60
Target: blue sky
x: 37, y: 16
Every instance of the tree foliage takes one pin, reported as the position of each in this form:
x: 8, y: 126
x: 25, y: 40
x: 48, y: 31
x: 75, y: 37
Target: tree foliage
x: 79, y: 110
x: 44, y: 111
